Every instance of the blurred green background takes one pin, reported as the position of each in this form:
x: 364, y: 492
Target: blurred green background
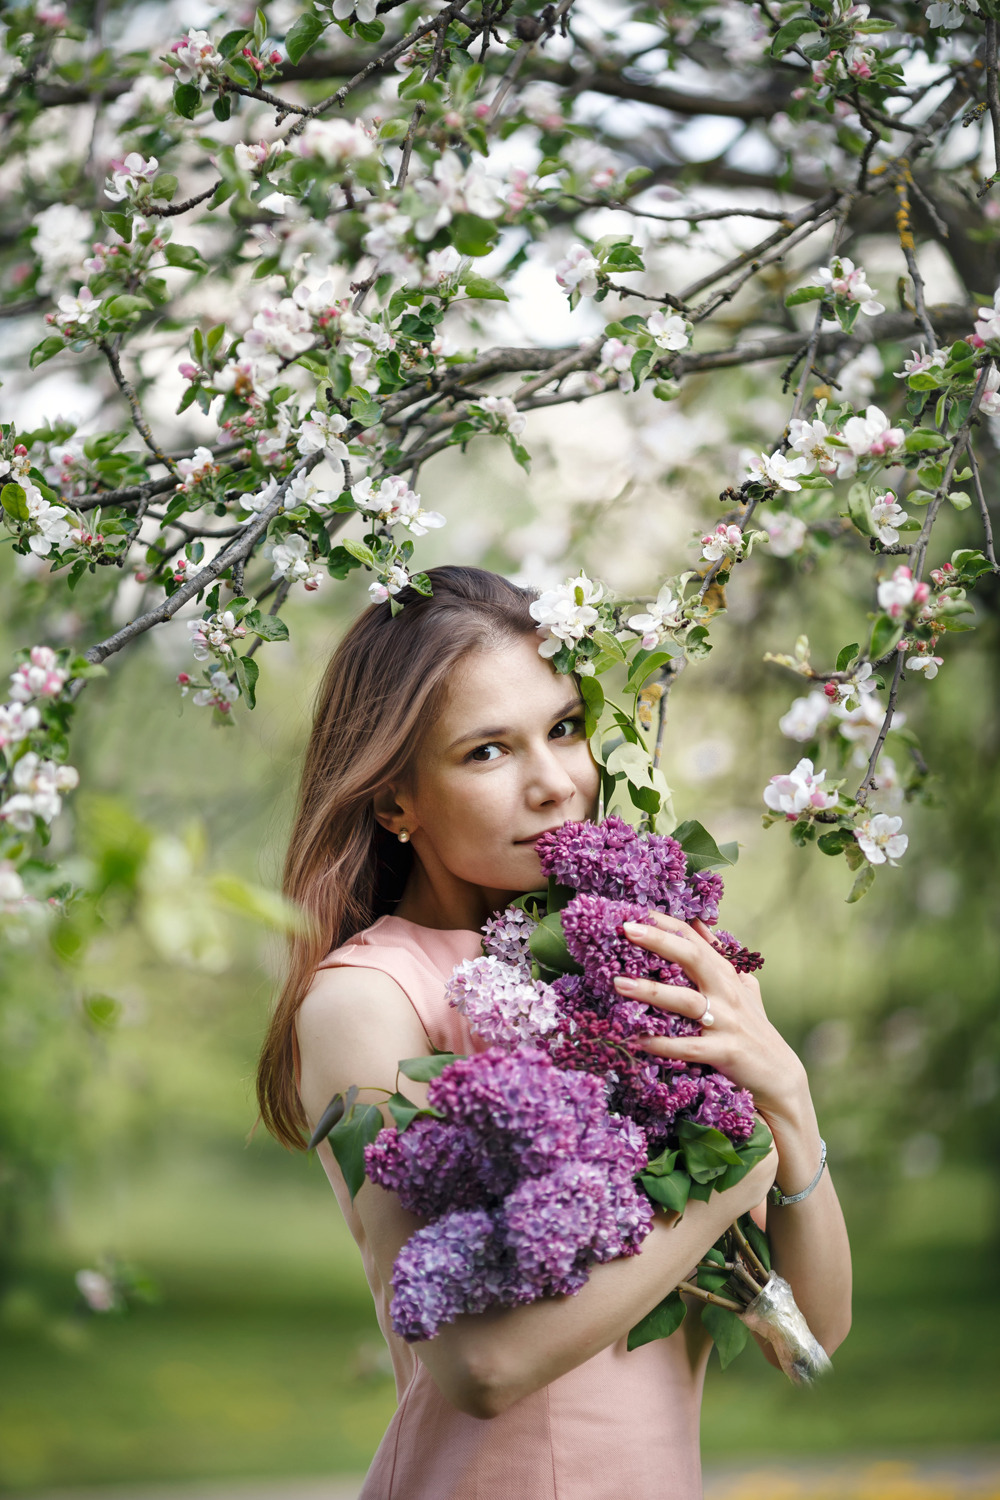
x: 129, y: 1029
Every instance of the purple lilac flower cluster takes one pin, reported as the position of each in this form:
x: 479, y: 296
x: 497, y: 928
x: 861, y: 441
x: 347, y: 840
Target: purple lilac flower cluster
x: 506, y: 935
x: 501, y: 1001
x: 612, y: 859
x: 527, y: 1182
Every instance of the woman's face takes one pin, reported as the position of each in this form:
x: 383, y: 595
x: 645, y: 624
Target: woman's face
x: 505, y: 760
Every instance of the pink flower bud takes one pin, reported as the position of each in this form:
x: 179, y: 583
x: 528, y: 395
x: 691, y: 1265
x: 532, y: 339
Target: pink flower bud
x: 183, y: 679
x: 141, y: 576
x: 830, y: 689
x: 903, y: 645
x: 481, y: 110
x: 188, y: 370
x: 20, y: 451
x: 275, y: 57
x: 453, y: 119
x: 921, y: 593
x: 311, y: 585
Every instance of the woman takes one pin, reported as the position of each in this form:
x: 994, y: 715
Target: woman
x: 443, y: 746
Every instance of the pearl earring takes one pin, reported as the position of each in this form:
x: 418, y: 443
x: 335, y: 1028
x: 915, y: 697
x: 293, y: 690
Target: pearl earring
x: 403, y: 836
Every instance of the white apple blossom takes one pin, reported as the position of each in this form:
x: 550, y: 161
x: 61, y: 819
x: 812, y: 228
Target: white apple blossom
x: 617, y: 356
x: 251, y: 158
x: 787, y: 533
x: 96, y: 1290
x: 566, y: 613
x: 887, y: 515
x: 63, y: 237
x: 724, y: 541
x: 129, y: 175
x: 52, y: 527
x: 388, y: 583
x: 336, y: 142
x: 869, y: 436
x: 988, y: 324
x: 577, y: 272
x: 540, y: 103
x: 361, y: 10
x: 39, y: 784
x: 197, y: 58
x: 395, y: 504
x: 860, y: 682
x: 990, y: 403
x: 668, y: 331
x: 776, y: 469
x: 320, y: 434
x: 292, y: 561
x: 844, y: 279
x: 505, y: 412
x: 653, y: 622
x: 77, y: 312
x: 856, y: 379
x: 921, y: 361
x: 799, y: 791
x: 221, y: 694
x: 452, y: 188
x: 17, y: 722
x: 924, y: 663
x: 811, y: 439
x: 215, y: 636
x: 944, y: 15
x: 40, y: 677
x: 196, y: 468
x: 11, y: 887
x: 304, y: 490
x: 281, y: 328
x: 898, y: 593
x: 249, y: 378
x: 805, y: 716
x: 442, y: 266
x: 881, y: 840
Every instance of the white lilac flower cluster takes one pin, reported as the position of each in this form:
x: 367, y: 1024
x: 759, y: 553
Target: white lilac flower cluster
x: 502, y: 1005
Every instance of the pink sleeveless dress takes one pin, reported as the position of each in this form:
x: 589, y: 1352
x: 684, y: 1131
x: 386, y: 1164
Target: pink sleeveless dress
x: 622, y: 1426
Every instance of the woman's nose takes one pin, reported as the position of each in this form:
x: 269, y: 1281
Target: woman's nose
x: 550, y: 780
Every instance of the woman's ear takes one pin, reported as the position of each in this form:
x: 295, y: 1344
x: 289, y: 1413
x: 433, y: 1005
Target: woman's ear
x: 391, y: 813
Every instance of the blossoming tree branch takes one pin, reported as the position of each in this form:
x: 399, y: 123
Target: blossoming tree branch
x: 312, y: 218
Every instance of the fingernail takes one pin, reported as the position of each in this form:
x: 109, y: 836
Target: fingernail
x: 634, y: 929
x: 623, y: 982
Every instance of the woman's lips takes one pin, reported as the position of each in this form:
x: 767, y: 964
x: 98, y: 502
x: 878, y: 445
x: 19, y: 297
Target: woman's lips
x: 536, y: 836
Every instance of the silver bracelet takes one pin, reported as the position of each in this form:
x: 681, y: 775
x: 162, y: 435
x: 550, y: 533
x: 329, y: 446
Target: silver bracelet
x: 780, y: 1199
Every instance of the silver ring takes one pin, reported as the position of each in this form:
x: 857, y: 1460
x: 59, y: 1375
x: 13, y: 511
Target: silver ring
x: 706, y: 1018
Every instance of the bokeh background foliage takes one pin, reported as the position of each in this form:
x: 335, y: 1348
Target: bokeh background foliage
x: 129, y: 1029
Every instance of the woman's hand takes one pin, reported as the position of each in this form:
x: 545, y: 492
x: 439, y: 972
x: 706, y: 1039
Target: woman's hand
x: 740, y: 1042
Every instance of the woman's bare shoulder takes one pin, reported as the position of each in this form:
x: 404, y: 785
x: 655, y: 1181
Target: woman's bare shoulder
x: 354, y: 1025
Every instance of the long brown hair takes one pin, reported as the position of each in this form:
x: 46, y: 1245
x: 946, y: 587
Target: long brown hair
x: 383, y: 686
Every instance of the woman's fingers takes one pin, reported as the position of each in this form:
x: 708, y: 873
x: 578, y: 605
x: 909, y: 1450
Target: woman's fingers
x: 679, y: 944
x: 673, y: 997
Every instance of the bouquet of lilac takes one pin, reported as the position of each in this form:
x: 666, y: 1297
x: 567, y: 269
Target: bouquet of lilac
x: 546, y: 1153
x: 526, y: 1179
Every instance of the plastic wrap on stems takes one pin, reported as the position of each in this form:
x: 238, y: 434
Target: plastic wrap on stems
x: 775, y: 1316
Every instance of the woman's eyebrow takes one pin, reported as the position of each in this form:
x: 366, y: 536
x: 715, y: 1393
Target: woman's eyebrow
x: 498, y: 731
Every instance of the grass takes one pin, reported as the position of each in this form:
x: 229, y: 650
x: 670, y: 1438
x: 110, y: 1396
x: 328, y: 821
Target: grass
x: 264, y: 1358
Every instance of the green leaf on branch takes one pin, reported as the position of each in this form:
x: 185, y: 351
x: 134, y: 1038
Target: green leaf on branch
x: 185, y: 256
x: 127, y: 306
x: 759, y: 1243
x: 806, y: 294
x: 357, y: 1129
x: 14, y: 502
x: 187, y: 100
x: 593, y: 697
x: 863, y: 883
x: 836, y: 841
x: 268, y: 627
x: 729, y: 1332
x: 423, y: 1069
x: 362, y: 553
x: 885, y: 634
x: 487, y: 291
x: 702, y: 852
x: 664, y: 1320
x: 165, y: 186
x: 706, y: 1151
x: 403, y: 1111
x: 45, y: 350
x: 304, y: 34
x: 922, y: 438
x: 859, y: 509
x: 472, y: 235
x: 789, y: 34
x: 846, y: 655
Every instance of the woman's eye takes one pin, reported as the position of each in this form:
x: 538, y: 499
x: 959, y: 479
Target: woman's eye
x: 483, y: 754
x: 566, y: 729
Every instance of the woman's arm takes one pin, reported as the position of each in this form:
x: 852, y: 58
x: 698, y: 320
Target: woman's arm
x: 808, y: 1239
x: 353, y: 1027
